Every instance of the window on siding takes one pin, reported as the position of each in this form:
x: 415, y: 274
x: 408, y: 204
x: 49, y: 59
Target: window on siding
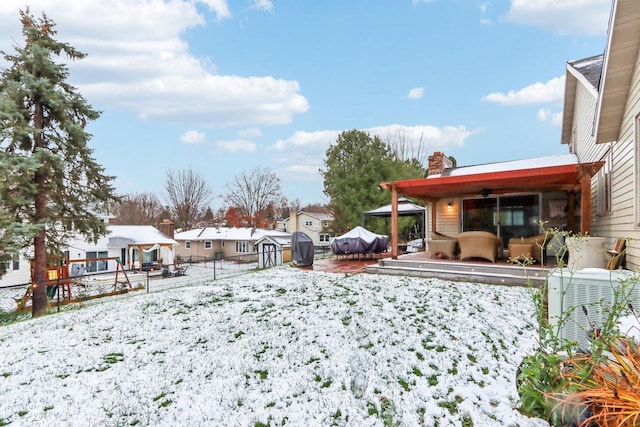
x: 242, y: 247
x: 13, y: 264
x: 187, y: 244
x: 208, y: 244
x: 604, y: 185
x: 308, y: 223
x: 324, y: 237
x: 93, y: 266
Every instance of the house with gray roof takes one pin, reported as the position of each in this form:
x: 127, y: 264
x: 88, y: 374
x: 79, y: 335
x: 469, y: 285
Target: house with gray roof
x: 222, y: 242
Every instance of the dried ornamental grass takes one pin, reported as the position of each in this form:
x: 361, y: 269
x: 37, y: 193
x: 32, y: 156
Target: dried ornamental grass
x: 603, y: 392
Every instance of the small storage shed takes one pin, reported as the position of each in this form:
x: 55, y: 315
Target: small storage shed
x: 273, y: 250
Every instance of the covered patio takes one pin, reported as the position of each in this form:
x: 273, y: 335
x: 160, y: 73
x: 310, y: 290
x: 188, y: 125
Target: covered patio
x: 561, y: 174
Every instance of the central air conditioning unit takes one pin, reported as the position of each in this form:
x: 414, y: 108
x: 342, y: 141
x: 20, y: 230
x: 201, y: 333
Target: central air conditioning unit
x: 592, y: 288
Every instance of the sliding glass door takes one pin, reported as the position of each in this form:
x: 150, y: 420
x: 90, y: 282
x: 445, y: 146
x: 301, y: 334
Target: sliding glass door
x: 504, y: 216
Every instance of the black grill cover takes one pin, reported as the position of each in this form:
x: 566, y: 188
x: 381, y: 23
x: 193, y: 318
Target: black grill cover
x: 301, y: 249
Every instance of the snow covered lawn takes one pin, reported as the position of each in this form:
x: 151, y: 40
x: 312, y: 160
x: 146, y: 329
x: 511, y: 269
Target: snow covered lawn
x: 277, y: 347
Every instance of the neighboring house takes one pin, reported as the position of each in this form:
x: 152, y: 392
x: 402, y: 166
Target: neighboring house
x: 136, y: 246
x: 602, y: 123
x: 18, y: 271
x: 314, y: 224
x: 221, y: 242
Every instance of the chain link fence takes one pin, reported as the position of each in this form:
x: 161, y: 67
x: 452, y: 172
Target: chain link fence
x: 15, y: 300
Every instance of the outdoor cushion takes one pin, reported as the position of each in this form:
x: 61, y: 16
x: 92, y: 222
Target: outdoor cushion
x: 439, y: 236
x: 479, y: 244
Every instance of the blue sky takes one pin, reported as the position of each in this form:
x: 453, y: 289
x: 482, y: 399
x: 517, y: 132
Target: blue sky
x: 223, y: 86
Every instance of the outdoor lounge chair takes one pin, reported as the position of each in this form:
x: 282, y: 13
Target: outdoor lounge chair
x: 478, y: 244
x: 440, y: 245
x: 539, y: 244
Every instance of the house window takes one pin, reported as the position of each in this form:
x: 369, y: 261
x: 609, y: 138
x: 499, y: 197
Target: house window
x: 308, y: 223
x: 187, y: 244
x: 604, y: 185
x: 12, y: 264
x: 94, y: 266
x: 324, y: 237
x: 242, y: 247
x: 208, y: 244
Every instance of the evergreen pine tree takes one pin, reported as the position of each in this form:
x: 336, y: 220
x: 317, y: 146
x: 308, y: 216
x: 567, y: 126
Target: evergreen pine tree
x: 52, y: 187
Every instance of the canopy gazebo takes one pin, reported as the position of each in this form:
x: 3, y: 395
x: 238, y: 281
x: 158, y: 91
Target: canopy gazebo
x: 405, y: 208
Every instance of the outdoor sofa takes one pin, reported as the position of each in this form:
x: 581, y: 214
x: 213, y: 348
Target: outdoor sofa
x: 479, y: 244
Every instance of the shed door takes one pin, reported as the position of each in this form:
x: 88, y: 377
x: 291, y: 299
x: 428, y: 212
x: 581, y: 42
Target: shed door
x: 269, y: 252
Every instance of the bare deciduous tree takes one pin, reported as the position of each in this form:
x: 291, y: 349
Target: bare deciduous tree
x: 139, y: 209
x: 252, y: 193
x: 407, y: 147
x: 188, y: 196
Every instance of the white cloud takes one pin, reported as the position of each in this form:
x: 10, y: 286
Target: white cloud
x: 220, y: 7
x: 546, y: 115
x: 484, y: 7
x: 537, y: 93
x: 192, y: 137
x: 562, y: 16
x: 139, y: 62
x: 235, y: 146
x: 263, y: 5
x: 250, y: 133
x: 432, y: 137
x: 416, y: 93
x: 304, y: 152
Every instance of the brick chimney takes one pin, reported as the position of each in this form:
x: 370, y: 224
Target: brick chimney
x: 167, y: 227
x: 438, y: 163
x: 293, y: 221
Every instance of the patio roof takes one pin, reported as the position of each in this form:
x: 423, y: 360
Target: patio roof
x: 500, y: 178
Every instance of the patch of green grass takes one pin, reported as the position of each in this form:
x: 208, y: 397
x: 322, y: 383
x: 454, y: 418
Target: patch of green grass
x: 372, y: 409
x: 238, y: 334
x: 262, y: 374
x: 452, y: 405
x: 433, y: 380
x: 485, y: 370
x: 420, y: 356
x: 326, y: 384
x: 5, y: 374
x: 113, y: 358
x: 472, y: 358
x: 367, y: 346
x: 404, y: 384
x: 346, y: 320
x: 271, y: 404
x: 165, y: 403
x: 312, y: 359
x: 281, y: 291
x: 416, y: 371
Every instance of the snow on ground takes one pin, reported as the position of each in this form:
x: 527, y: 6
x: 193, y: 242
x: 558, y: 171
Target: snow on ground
x: 276, y: 347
